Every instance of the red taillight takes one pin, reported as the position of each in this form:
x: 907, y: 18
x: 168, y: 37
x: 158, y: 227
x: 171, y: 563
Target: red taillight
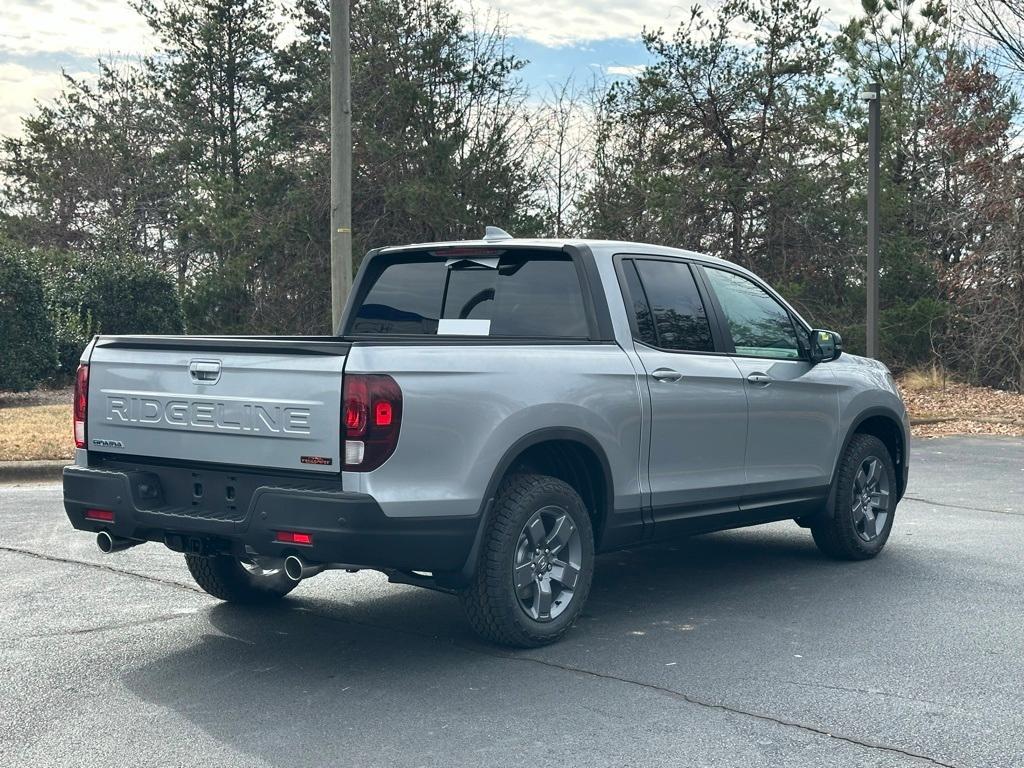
x: 294, y: 537
x: 99, y: 514
x: 81, y: 403
x: 356, y: 399
x: 372, y: 415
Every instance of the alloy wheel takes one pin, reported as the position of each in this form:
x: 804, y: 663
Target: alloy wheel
x: 871, y: 501
x: 548, y: 558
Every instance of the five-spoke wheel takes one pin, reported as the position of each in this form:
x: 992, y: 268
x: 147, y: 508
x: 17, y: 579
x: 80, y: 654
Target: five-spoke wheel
x: 870, y: 498
x: 535, y: 569
x: 547, y: 563
x: 856, y: 524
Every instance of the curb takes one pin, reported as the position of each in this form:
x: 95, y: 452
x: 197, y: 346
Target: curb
x: 28, y: 471
x: 923, y: 420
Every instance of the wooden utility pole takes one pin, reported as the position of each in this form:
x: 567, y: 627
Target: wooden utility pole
x: 873, y: 96
x: 341, y: 160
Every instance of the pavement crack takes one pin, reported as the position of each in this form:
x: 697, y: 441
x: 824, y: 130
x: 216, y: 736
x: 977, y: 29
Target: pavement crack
x: 961, y: 506
x: 697, y: 701
x: 99, y: 567
x: 865, y: 691
x: 660, y: 689
x: 111, y: 626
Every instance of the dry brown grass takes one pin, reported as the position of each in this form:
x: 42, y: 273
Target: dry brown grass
x: 925, y: 379
x: 952, y: 408
x: 35, y: 431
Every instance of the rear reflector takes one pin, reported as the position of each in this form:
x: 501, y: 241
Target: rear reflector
x: 99, y: 514
x: 81, y: 404
x: 294, y: 537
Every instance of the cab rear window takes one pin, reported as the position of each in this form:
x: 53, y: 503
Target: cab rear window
x: 479, y: 293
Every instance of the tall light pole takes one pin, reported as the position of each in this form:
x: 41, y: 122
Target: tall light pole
x: 873, y: 96
x: 341, y: 160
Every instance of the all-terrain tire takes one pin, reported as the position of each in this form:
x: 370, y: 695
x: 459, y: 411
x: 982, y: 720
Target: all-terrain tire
x: 492, y: 601
x: 835, y: 530
x: 226, y: 578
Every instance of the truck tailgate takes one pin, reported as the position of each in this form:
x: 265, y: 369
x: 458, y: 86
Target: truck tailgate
x: 244, y: 401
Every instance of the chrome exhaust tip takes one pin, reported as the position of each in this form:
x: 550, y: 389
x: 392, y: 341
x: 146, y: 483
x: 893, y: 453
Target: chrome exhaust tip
x: 297, y: 569
x: 108, y: 543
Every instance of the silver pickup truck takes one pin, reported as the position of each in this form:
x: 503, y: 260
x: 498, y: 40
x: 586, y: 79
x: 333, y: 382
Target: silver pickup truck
x: 490, y: 416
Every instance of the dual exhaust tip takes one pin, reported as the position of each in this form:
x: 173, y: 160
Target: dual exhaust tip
x: 295, y: 568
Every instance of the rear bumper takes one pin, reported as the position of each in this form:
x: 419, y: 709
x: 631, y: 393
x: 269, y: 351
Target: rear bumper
x: 241, y: 513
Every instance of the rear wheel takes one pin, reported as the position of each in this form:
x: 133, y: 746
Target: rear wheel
x: 537, y: 563
x: 859, y: 523
x: 228, y: 578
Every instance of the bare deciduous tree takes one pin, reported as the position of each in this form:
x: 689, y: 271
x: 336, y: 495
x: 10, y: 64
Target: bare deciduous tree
x: 566, y: 144
x: 1001, y: 22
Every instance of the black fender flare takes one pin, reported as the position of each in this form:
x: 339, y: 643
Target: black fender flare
x: 867, y: 413
x: 544, y: 435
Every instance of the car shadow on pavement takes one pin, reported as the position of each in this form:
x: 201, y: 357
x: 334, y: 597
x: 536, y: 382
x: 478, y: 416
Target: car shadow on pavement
x: 404, y: 658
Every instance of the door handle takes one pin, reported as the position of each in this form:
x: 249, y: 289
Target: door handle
x: 666, y: 374
x: 760, y: 378
x: 204, y: 371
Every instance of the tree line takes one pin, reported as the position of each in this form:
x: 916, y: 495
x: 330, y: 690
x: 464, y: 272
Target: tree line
x: 189, y: 190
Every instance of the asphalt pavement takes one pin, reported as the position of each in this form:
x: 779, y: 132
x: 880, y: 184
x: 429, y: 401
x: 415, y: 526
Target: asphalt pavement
x: 744, y: 648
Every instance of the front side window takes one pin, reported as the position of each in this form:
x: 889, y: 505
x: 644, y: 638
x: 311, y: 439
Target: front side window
x: 669, y: 308
x: 760, y: 326
x: 510, y: 293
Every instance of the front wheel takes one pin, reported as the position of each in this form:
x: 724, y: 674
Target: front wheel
x: 536, y: 566
x: 859, y: 523
x: 228, y: 578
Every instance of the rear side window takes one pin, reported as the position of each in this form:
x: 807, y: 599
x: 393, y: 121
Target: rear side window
x: 510, y: 293
x: 636, y: 303
x: 675, y: 314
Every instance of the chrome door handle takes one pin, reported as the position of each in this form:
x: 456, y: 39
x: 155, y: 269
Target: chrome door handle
x: 760, y: 378
x: 666, y: 374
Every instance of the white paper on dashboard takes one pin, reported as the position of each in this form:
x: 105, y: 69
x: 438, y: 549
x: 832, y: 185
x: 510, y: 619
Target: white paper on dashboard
x: 447, y: 327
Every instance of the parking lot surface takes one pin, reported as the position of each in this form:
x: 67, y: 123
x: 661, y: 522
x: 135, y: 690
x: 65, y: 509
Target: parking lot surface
x: 745, y: 648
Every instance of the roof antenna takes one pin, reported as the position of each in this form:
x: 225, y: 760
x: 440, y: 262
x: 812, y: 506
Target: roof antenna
x: 496, y: 233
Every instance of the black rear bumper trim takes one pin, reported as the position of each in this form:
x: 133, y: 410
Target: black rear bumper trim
x: 346, y: 527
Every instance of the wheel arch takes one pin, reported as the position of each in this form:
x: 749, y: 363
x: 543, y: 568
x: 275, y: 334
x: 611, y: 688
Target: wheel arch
x: 887, y: 426
x: 568, y: 453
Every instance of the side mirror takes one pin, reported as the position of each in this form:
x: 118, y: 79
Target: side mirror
x: 825, y: 346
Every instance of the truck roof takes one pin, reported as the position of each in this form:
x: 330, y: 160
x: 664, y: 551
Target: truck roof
x: 601, y: 248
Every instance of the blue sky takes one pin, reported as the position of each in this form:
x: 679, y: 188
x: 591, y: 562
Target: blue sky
x: 559, y: 37
x: 582, y: 60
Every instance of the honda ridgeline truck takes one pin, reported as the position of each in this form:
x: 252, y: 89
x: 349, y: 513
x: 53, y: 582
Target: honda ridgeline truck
x: 491, y: 415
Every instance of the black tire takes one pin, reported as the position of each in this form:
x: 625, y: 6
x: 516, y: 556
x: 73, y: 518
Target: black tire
x: 493, y: 603
x: 226, y: 578
x: 839, y: 530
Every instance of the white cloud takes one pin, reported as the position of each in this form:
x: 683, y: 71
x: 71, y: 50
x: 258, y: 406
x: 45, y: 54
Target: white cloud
x: 567, y: 22
x: 79, y: 27
x: 20, y: 88
x: 631, y: 70
x: 36, y: 36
